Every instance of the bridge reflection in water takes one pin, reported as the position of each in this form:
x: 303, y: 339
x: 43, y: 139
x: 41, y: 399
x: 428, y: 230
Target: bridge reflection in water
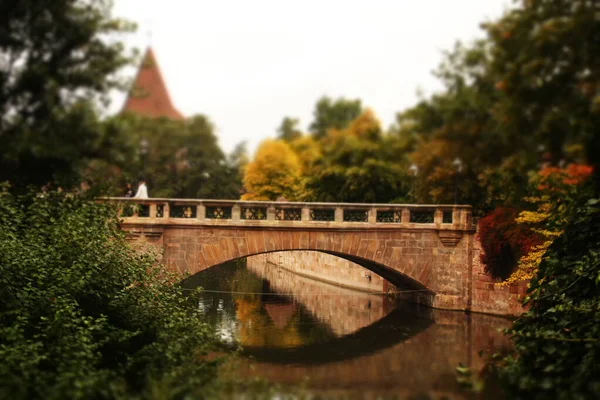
x: 344, y: 342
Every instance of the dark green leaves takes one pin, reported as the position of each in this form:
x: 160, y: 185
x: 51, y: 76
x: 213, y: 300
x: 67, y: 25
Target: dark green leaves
x: 84, y: 316
x: 558, y: 339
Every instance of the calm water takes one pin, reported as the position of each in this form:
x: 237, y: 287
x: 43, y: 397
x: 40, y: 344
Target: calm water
x: 338, y: 342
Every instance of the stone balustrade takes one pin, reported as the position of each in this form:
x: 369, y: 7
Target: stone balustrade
x: 292, y: 214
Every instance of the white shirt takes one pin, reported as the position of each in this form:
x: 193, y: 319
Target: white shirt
x: 142, y: 192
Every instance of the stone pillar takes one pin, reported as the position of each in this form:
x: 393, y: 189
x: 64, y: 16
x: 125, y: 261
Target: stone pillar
x: 438, y: 217
x: 339, y: 214
x: 456, y: 216
x: 305, y: 214
x: 152, y: 210
x: 201, y: 211
x: 235, y: 212
x: 465, y: 217
x: 270, y: 213
x: 372, y: 216
x: 405, y: 216
x: 166, y: 211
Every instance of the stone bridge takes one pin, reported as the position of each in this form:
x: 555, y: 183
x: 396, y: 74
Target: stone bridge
x: 426, y: 251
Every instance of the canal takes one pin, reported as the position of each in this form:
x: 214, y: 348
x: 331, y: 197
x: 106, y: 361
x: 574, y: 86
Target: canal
x: 337, y: 342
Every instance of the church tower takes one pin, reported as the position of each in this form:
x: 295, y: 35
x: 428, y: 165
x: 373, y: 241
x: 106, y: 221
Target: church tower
x: 148, y: 95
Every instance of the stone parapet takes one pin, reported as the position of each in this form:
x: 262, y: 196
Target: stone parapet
x: 192, y: 212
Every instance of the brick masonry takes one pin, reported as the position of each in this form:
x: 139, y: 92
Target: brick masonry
x: 343, y: 310
x: 416, y: 260
x: 325, y: 267
x: 490, y: 298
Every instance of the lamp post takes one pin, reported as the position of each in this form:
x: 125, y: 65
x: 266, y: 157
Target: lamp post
x: 458, y: 165
x: 414, y: 170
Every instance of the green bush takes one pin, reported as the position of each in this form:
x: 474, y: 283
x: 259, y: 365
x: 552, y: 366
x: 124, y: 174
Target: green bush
x: 82, y: 315
x: 557, y: 342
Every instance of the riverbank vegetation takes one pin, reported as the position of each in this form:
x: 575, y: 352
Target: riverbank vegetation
x: 557, y: 345
x: 83, y: 315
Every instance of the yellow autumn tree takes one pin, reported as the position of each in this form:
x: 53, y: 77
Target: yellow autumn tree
x: 308, y: 150
x: 365, y: 126
x: 275, y: 171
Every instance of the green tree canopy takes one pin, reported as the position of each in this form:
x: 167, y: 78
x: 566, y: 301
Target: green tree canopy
x: 526, y: 94
x: 333, y: 114
x: 288, y: 130
x: 55, y: 58
x: 180, y: 159
x: 356, y: 165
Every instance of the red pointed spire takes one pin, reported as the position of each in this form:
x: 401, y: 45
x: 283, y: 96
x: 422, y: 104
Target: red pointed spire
x: 149, y: 95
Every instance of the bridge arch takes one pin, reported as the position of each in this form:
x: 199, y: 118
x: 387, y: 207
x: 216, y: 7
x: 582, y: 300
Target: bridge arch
x: 411, y: 259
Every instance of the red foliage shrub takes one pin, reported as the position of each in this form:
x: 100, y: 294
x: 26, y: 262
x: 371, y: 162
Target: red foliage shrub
x: 504, y: 241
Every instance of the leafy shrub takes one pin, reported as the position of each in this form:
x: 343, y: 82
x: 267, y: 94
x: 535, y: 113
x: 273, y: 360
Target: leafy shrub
x: 554, y: 192
x: 504, y: 241
x: 82, y: 315
x: 557, y: 341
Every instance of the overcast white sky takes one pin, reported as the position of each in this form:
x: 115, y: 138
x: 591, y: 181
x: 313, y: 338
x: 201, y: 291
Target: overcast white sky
x: 248, y: 63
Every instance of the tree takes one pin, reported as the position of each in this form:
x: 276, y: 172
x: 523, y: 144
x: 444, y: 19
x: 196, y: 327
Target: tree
x: 275, y: 171
x: 545, y: 58
x: 309, y: 154
x: 525, y: 94
x: 54, y: 60
x: 288, y: 130
x: 237, y: 161
x: 461, y: 123
x: 355, y: 166
x: 179, y: 159
x: 333, y: 114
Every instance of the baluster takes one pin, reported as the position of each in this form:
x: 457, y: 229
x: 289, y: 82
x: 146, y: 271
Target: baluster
x: 466, y: 219
x: 305, y: 214
x: 372, y: 216
x: 271, y: 213
x: 200, y: 211
x: 405, y: 216
x: 456, y: 216
x: 339, y: 214
x: 438, y: 217
x: 235, y: 212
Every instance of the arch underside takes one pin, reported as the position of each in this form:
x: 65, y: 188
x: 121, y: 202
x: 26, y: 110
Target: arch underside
x: 407, y: 288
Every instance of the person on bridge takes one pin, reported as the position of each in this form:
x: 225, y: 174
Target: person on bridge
x: 128, y: 191
x: 142, y: 192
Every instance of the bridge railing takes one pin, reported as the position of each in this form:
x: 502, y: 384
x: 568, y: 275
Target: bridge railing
x: 219, y: 212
